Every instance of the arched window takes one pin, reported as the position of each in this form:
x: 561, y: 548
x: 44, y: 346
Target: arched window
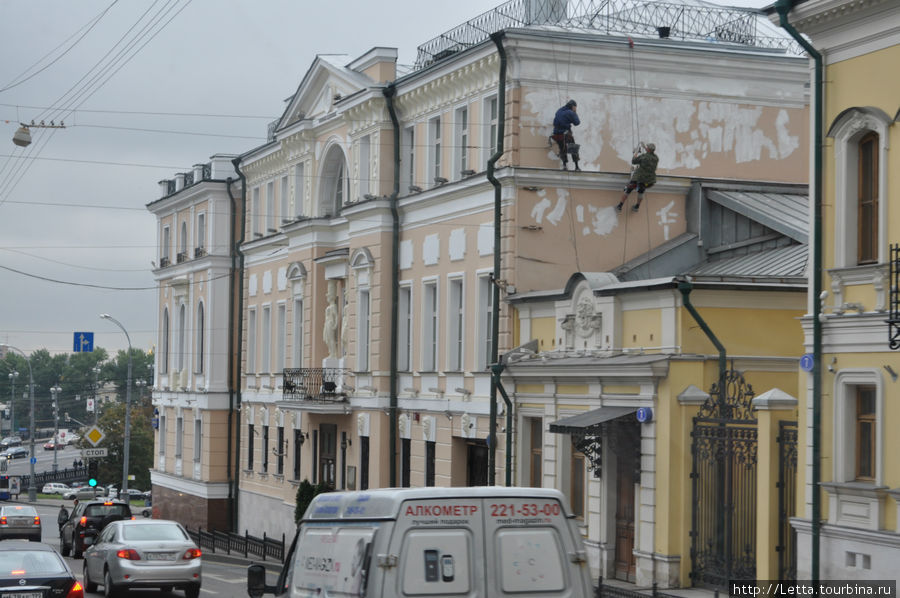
x: 867, y: 199
x: 334, y: 183
x: 179, y: 352
x: 200, y: 339
x: 164, y: 354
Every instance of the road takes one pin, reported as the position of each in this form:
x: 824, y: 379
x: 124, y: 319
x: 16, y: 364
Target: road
x: 64, y: 459
x: 221, y: 579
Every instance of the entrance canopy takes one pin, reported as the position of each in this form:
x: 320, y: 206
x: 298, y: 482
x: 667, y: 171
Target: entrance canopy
x: 589, y: 422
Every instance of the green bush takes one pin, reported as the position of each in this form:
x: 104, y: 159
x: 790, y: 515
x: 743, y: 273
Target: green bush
x: 306, y: 492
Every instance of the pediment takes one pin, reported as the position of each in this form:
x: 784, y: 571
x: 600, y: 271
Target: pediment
x: 325, y: 81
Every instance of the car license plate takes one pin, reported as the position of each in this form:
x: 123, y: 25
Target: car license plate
x: 160, y: 556
x: 22, y: 595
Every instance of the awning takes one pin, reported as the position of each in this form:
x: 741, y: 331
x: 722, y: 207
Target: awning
x: 589, y: 421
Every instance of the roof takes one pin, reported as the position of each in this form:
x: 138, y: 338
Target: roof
x: 786, y: 213
x: 783, y: 263
x: 385, y: 503
x: 589, y: 421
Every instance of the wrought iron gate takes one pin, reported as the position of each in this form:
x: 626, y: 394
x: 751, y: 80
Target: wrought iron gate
x: 787, y: 499
x: 723, y: 477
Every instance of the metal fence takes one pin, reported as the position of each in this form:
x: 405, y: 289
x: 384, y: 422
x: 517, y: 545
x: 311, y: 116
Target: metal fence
x: 609, y: 591
x: 70, y: 474
x: 244, y: 545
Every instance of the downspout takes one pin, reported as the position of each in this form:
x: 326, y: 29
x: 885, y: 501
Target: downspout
x: 496, y: 367
x: 389, y: 92
x: 783, y: 7
x: 234, y: 343
x: 686, y: 287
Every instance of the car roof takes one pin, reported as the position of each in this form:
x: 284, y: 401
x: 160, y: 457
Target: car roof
x: 102, y: 501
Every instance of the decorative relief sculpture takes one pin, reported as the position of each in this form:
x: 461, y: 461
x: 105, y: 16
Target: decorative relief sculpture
x: 329, y: 332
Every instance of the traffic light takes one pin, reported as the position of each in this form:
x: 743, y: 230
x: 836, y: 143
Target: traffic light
x: 92, y: 473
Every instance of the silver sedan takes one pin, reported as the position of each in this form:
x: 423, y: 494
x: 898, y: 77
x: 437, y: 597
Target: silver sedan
x: 149, y: 553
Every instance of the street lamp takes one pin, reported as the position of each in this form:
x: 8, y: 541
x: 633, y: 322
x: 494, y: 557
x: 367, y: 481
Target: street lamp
x: 96, y: 371
x: 32, y: 491
x: 123, y: 489
x: 12, y: 402
x: 55, y: 390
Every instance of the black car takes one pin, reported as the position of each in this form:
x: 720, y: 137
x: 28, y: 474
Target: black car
x: 35, y: 569
x: 88, y: 519
x: 16, y: 452
x: 10, y: 441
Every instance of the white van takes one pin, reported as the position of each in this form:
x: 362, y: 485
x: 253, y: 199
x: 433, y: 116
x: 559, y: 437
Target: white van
x: 473, y: 542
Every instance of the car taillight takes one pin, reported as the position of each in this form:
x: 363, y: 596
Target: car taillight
x: 37, y: 520
x: 192, y: 553
x: 3, y: 520
x: 83, y: 521
x: 76, y: 592
x: 129, y: 554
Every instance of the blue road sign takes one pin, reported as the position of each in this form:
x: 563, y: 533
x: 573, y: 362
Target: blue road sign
x: 806, y: 362
x: 33, y: 460
x: 84, y: 342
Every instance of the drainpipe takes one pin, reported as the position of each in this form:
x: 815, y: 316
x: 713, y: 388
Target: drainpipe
x: 236, y: 281
x: 389, y: 92
x: 686, y: 287
x: 497, y: 38
x: 783, y: 7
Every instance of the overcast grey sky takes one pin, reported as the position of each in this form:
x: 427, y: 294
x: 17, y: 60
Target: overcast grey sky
x: 72, y: 205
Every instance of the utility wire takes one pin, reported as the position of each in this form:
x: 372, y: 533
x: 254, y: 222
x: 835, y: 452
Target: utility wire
x: 188, y: 114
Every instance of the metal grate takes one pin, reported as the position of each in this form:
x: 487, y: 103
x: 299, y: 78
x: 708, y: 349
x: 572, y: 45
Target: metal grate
x: 314, y: 384
x: 629, y: 17
x: 787, y: 499
x: 894, y: 320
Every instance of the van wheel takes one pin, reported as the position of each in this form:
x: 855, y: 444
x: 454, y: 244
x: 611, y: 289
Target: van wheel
x: 89, y: 586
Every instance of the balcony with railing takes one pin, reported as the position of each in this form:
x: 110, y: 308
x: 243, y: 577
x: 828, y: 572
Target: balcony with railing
x: 164, y: 262
x: 314, y: 385
x: 182, y: 256
x: 199, y: 252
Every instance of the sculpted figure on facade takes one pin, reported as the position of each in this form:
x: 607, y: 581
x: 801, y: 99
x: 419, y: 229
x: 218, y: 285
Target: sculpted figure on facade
x: 329, y: 333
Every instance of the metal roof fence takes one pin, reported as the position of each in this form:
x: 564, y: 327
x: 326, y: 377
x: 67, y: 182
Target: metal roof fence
x: 686, y: 20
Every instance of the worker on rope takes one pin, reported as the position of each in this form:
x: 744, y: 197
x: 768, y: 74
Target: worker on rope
x: 644, y: 175
x: 562, y: 133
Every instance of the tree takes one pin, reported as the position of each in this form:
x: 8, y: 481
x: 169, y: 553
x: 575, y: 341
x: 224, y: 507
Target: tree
x: 112, y: 422
x: 306, y: 492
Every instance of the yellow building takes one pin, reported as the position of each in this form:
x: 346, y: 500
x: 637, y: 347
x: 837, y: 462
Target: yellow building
x: 860, y: 456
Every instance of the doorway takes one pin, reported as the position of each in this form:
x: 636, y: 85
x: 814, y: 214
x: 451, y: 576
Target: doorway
x: 327, y: 453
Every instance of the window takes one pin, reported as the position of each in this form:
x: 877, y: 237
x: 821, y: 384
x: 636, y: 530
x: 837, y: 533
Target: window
x: 364, y: 463
x: 255, y: 215
x: 280, y: 324
x: 429, y: 463
x: 339, y: 189
x: 865, y: 433
x: 576, y: 482
x: 166, y: 247
x: 179, y: 436
x: 182, y: 331
x: 434, y: 133
x: 297, y: 341
x: 405, y: 458
x: 162, y: 435
x: 280, y: 451
x: 250, y: 433
x: 299, y: 187
x: 404, y: 334
x: 265, y: 362
x: 867, y: 193
x: 429, y: 327
x: 490, y: 129
x: 333, y: 183
x: 486, y: 319
x: 182, y: 243
x: 201, y: 231
x: 284, y: 212
x: 537, y: 451
x: 408, y: 173
x: 164, y: 355
x: 198, y: 439
x: 199, y: 343
x: 455, y: 325
x: 265, y: 449
x: 270, y: 208
x: 298, y: 444
x: 362, y: 335
x: 251, y: 341
x: 365, y: 168
x: 462, y: 141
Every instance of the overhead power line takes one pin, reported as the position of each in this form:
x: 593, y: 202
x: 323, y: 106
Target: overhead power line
x: 146, y: 113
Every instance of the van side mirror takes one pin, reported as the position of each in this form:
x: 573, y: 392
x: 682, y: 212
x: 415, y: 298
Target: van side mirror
x: 256, y: 582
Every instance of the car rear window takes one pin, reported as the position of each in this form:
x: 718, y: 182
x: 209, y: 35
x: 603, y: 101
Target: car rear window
x: 104, y: 510
x: 30, y: 563
x: 19, y: 511
x: 161, y: 531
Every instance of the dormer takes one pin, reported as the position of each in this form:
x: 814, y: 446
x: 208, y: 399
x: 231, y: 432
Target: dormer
x: 378, y: 64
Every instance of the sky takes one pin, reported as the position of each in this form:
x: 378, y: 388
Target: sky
x: 146, y: 89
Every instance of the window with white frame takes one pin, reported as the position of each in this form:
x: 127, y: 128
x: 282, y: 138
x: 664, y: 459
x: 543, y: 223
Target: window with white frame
x: 183, y: 242
x: 299, y: 187
x: 179, y: 436
x: 430, y: 319
x: 251, y: 341
x: 462, y: 141
x: 198, y: 439
x: 408, y: 145
x: 201, y: 231
x: 490, y: 126
x: 404, y: 332
x: 365, y: 166
x: 859, y: 433
x: 297, y: 341
x: 182, y: 333
x: 434, y: 142
x: 164, y: 354
x: 455, y: 325
x: 265, y: 362
x: 362, y: 329
x: 166, y: 247
x: 256, y: 221
x: 200, y: 340
x: 485, y: 319
x: 271, y: 224
x: 860, y: 152
x: 280, y: 348
x: 284, y: 201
